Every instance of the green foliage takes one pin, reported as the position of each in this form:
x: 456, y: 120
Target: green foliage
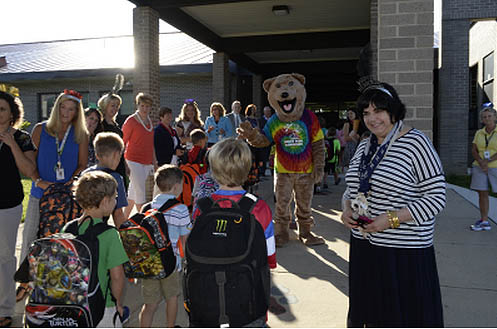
x: 25, y: 124
x: 463, y: 181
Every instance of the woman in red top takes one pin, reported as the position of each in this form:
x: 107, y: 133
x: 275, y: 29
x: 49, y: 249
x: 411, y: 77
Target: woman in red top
x: 138, y: 137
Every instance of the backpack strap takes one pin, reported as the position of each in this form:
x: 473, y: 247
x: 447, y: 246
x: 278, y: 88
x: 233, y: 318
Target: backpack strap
x: 205, y: 204
x: 247, y: 202
x: 146, y: 207
x: 168, y: 204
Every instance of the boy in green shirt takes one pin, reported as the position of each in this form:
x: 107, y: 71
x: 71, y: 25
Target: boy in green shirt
x: 96, y: 192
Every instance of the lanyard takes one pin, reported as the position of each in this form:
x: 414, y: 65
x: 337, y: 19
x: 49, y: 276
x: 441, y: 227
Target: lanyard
x: 171, y: 131
x: 60, y: 148
x: 488, y: 140
x: 373, y: 155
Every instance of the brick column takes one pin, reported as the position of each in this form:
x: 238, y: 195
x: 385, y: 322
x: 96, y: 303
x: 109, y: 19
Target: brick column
x: 405, y: 55
x: 454, y: 96
x: 221, y: 79
x: 257, y: 93
x: 146, y: 43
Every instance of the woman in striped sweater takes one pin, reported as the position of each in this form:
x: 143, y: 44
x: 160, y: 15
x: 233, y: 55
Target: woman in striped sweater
x: 396, y: 183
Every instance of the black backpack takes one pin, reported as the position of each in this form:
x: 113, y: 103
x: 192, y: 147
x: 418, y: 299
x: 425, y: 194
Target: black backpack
x: 226, y: 278
x: 145, y: 238
x: 63, y: 272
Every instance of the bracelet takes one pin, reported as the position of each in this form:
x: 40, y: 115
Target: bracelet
x: 37, y: 181
x: 393, y: 219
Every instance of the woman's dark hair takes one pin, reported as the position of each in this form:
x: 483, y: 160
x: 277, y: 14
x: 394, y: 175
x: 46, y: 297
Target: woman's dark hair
x: 250, y: 110
x: 382, y: 100
x: 89, y: 111
x: 16, y: 108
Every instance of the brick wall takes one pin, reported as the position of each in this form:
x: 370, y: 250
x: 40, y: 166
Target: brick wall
x: 221, y: 79
x: 402, y: 35
x: 146, y: 42
x: 455, y: 140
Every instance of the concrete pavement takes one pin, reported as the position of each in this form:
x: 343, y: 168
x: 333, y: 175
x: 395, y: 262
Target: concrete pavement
x: 312, y: 283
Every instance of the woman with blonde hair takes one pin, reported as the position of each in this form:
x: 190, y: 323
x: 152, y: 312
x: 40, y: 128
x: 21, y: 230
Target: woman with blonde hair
x: 138, y: 137
x: 109, y: 105
x: 17, y: 154
x: 61, y: 154
x: 217, y: 125
x: 188, y: 120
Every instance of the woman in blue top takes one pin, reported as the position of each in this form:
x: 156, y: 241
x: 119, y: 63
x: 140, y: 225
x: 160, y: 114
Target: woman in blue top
x: 62, y: 153
x: 217, y: 125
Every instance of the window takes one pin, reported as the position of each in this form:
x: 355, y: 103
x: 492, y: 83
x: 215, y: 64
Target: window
x: 488, y: 78
x: 47, y: 102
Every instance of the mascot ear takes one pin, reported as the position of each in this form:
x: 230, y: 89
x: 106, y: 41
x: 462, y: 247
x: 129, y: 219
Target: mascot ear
x: 267, y: 84
x: 299, y: 77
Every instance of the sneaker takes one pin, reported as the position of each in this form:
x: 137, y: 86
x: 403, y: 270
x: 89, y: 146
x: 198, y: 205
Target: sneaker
x: 481, y: 226
x: 124, y: 319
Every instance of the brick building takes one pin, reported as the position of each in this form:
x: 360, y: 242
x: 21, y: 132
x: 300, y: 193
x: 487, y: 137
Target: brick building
x: 248, y: 41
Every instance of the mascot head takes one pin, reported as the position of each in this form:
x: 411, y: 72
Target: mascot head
x: 286, y: 94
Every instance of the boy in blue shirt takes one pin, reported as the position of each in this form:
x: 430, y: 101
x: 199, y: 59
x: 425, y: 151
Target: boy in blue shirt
x: 108, y: 150
x: 169, y: 180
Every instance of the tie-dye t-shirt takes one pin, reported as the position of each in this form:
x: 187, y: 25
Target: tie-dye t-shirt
x: 293, y: 142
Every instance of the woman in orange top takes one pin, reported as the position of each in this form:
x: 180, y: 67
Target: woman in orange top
x: 138, y: 137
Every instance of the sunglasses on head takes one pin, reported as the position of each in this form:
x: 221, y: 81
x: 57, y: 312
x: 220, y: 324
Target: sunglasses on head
x: 190, y: 101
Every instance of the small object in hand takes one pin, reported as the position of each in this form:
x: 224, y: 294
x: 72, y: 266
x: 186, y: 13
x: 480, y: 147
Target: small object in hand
x: 361, y: 220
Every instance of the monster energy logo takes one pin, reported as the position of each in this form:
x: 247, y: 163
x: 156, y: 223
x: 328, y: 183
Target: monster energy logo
x: 221, y: 225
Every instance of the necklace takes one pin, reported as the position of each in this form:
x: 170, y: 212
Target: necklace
x: 143, y: 124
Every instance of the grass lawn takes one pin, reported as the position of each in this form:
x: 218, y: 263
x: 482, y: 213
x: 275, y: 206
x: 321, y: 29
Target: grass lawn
x: 463, y: 181
x: 26, y: 184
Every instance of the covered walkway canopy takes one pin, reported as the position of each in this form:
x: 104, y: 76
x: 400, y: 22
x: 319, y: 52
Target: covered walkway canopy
x: 321, y: 39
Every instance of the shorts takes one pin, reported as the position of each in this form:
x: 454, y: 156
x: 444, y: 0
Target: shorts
x: 153, y: 291
x: 138, y: 174
x: 479, y: 179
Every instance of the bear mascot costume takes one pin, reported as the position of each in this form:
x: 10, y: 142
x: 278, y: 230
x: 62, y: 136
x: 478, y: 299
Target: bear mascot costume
x: 300, y: 153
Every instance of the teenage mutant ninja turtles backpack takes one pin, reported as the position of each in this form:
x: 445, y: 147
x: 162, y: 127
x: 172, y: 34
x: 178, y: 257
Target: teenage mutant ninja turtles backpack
x: 145, y: 238
x: 63, y: 270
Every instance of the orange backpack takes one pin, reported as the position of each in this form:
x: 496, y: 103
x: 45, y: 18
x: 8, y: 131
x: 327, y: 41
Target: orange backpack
x: 190, y: 172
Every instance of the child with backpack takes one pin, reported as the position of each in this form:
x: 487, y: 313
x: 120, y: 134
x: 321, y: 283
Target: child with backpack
x: 77, y: 275
x: 169, y: 179
x: 246, y: 301
x: 96, y: 193
x: 197, y: 153
x: 108, y: 150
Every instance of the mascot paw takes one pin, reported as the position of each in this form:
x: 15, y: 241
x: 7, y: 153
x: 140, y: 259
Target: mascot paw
x: 317, y: 175
x: 246, y: 131
x: 310, y: 240
x: 281, y: 239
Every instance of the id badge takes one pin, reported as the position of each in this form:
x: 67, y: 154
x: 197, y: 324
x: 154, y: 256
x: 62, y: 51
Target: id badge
x: 59, y: 173
x: 486, y: 155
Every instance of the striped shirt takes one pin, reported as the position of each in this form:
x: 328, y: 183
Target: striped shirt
x: 409, y: 176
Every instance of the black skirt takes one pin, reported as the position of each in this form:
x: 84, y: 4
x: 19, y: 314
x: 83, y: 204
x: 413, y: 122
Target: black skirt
x: 393, y: 287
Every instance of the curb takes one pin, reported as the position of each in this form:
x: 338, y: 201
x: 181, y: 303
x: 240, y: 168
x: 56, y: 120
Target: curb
x: 472, y: 197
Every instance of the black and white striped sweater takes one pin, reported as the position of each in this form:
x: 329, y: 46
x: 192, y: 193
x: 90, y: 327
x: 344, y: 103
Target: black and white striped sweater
x: 410, y: 175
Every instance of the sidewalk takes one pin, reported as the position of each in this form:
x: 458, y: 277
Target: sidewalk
x: 312, y: 283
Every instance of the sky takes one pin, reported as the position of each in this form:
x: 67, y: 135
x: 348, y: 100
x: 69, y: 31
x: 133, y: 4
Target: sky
x: 44, y: 20
x: 36, y: 20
